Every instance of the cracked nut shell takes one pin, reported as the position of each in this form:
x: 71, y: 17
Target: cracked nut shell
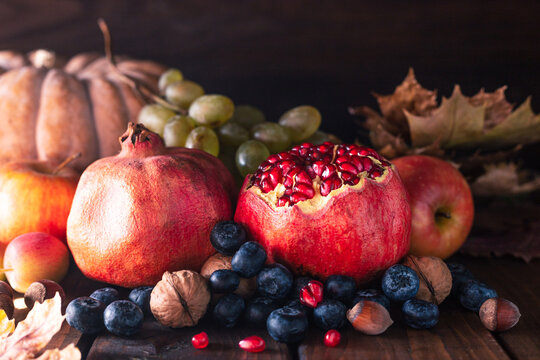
x: 435, y: 277
x: 42, y: 290
x: 5, y: 288
x: 180, y: 299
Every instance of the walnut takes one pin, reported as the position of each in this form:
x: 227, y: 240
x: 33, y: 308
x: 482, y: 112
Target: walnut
x: 435, y: 277
x: 245, y: 289
x: 180, y: 298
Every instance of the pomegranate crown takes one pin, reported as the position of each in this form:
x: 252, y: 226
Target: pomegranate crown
x: 137, y: 138
x: 309, y: 170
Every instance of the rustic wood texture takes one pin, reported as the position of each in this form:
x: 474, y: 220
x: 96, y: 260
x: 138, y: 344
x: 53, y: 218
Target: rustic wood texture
x: 278, y: 54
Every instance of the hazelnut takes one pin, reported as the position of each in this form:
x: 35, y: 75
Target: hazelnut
x: 245, y: 289
x: 499, y: 314
x: 42, y: 290
x: 435, y: 277
x: 369, y: 317
x: 180, y: 298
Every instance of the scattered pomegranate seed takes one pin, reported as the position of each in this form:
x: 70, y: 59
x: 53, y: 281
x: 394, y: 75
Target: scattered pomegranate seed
x: 332, y: 338
x: 312, y: 293
x: 200, y: 341
x: 252, y: 344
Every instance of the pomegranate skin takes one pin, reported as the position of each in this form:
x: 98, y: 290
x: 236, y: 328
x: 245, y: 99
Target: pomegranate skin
x: 360, y: 231
x: 148, y: 210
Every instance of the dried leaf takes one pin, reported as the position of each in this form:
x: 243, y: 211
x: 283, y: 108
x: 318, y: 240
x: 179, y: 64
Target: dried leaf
x: 502, y: 179
x: 6, y: 326
x: 33, y: 333
x: 409, y: 96
x: 70, y: 352
x: 497, y: 108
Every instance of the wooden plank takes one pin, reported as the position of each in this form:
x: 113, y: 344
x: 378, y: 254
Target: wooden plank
x: 157, y: 341
x: 518, y: 282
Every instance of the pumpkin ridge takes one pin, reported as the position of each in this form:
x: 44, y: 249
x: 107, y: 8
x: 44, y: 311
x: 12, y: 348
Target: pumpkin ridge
x: 86, y: 90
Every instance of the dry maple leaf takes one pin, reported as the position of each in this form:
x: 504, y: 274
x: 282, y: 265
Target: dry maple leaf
x: 503, y: 179
x: 6, y: 326
x: 70, y: 352
x: 33, y: 333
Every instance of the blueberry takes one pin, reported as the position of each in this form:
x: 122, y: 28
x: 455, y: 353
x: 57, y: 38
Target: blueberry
x: 141, y: 297
x: 329, y: 314
x: 274, y: 281
x: 85, y: 314
x: 227, y: 237
x: 249, y: 259
x: 223, y: 281
x: 340, y: 287
x: 400, y: 283
x: 257, y: 311
x: 229, y: 309
x: 123, y: 318
x: 105, y: 295
x: 287, y: 325
x: 460, y: 274
x: 420, y: 314
x: 298, y: 305
x: 298, y: 284
x: 372, y: 295
x: 473, y: 294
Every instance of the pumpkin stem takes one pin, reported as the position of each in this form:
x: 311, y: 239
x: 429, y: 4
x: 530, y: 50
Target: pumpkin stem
x: 65, y: 162
x: 140, y: 89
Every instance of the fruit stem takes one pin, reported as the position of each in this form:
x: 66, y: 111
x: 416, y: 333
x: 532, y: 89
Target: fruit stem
x: 443, y: 214
x: 65, y: 162
x: 143, y: 92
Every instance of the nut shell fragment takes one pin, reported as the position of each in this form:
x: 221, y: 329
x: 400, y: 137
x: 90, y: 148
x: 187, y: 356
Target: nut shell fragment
x: 246, y: 288
x: 435, y: 277
x: 180, y: 299
x: 42, y: 290
x: 369, y: 317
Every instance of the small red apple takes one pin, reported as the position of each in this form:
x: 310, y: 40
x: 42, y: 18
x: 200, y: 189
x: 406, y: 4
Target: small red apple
x: 35, y: 256
x: 35, y: 196
x: 441, y: 204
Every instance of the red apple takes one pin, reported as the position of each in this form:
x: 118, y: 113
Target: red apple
x: 35, y: 256
x: 35, y: 196
x: 441, y: 204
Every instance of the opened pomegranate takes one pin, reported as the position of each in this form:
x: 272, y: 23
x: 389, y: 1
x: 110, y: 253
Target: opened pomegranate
x: 328, y: 209
x: 148, y: 210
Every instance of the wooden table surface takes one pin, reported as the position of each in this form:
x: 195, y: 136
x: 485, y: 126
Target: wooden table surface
x: 458, y: 335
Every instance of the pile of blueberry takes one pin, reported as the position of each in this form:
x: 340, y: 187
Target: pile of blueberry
x: 104, y: 309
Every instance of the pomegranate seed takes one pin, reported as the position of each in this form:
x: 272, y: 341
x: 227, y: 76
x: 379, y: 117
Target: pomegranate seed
x: 312, y: 293
x: 273, y: 158
x: 305, y: 189
x: 264, y: 164
x: 310, y: 172
x: 328, y: 171
x: 304, y: 151
x: 348, y: 167
x: 288, y: 191
x: 303, y: 178
x: 316, y: 155
x: 275, y: 176
x: 307, y: 145
x: 341, y: 151
x: 200, y: 341
x: 341, y: 159
x: 328, y: 143
x: 283, y: 201
x: 252, y: 344
x: 324, y: 148
x: 266, y: 186
x: 318, y: 167
x: 326, y: 187
x: 332, y: 338
x: 347, y: 177
x: 367, y: 164
x: 307, y: 298
x: 295, y: 149
x: 286, y: 165
x: 336, y: 183
x: 375, y: 173
x: 297, y: 197
x: 355, y: 180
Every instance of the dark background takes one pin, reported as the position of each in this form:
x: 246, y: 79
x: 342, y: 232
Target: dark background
x: 279, y: 54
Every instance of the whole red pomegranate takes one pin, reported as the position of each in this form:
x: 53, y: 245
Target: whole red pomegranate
x: 328, y: 209
x: 148, y: 210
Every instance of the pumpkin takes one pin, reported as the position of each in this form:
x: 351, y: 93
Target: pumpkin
x: 50, y: 110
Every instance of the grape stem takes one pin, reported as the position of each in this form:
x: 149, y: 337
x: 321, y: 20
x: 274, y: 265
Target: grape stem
x: 142, y: 91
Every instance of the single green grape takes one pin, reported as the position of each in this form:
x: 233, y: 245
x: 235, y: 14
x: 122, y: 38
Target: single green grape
x: 247, y: 116
x: 154, y: 117
x: 301, y: 121
x: 250, y: 155
x: 177, y: 130
x: 211, y: 110
x: 232, y: 134
x: 274, y: 136
x: 227, y: 155
x: 183, y: 93
x: 168, y: 77
x: 203, y: 138
x: 317, y: 138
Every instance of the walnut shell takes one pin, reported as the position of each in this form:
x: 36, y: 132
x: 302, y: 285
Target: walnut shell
x: 218, y: 261
x: 180, y: 299
x: 435, y: 277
